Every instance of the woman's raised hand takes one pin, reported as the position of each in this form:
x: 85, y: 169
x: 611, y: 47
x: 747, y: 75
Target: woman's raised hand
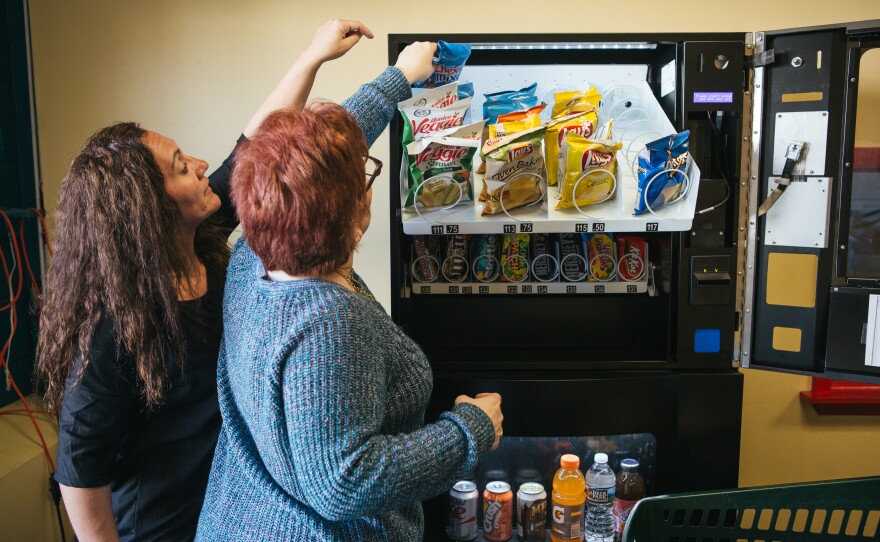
x: 335, y: 38
x: 416, y: 61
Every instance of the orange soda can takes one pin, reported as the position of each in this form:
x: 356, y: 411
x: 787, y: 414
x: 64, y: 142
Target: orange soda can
x: 497, y: 512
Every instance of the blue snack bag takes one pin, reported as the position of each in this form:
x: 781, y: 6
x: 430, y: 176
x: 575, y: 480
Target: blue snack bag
x: 508, y: 101
x: 448, y: 63
x: 666, y: 153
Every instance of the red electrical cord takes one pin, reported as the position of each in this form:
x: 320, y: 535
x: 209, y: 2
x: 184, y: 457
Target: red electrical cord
x: 22, y: 411
x: 27, y: 262
x: 11, y: 306
x: 45, y: 229
x: 15, y: 297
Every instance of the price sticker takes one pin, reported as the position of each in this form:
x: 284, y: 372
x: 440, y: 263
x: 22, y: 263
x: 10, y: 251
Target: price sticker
x: 451, y: 228
x: 425, y: 289
x: 525, y: 227
x: 526, y: 289
x: 599, y: 226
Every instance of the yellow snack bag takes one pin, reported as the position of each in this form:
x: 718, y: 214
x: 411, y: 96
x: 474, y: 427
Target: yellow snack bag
x: 582, y: 156
x: 501, y: 129
x: 575, y: 101
x: 583, y: 123
x: 514, y: 171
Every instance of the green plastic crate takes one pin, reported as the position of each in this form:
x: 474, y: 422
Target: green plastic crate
x: 839, y: 510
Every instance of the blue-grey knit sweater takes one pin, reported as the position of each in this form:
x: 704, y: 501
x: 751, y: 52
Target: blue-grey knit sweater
x: 323, y: 400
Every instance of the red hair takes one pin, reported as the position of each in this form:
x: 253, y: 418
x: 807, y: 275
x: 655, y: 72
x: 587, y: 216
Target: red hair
x: 299, y: 189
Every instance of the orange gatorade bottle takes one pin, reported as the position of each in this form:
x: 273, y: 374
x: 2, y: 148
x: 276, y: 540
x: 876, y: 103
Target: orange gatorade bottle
x: 569, y: 494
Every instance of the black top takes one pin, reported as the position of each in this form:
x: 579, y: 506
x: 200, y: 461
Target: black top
x: 156, y: 461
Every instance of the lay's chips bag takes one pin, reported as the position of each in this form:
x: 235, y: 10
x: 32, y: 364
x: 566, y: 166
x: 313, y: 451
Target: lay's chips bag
x: 568, y: 103
x: 573, y: 111
x: 514, y: 171
x: 583, y: 124
x: 586, y: 177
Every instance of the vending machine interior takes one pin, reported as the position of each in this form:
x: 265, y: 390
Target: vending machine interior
x: 620, y: 324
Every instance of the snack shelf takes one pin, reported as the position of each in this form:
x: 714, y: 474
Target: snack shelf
x: 641, y: 121
x: 528, y: 288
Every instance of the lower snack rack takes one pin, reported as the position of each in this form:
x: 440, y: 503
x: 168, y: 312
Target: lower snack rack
x: 521, y: 263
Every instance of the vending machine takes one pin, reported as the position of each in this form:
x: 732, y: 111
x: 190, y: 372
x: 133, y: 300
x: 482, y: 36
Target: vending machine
x: 618, y: 324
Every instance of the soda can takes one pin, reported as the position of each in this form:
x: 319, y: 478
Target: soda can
x: 497, y: 512
x: 531, y: 513
x: 462, y: 521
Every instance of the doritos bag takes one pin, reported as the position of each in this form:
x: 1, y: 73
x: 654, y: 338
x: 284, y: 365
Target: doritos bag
x: 669, y: 152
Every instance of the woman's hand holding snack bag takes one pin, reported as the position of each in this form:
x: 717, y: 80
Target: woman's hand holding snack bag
x: 416, y: 61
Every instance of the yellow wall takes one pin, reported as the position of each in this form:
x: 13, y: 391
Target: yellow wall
x: 27, y: 513
x: 196, y: 70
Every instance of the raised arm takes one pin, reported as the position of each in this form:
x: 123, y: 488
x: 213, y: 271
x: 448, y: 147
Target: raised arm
x: 332, y: 40
x: 374, y: 103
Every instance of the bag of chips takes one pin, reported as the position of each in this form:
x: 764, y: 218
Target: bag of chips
x: 514, y: 171
x: 508, y: 101
x: 440, y: 167
x: 583, y: 124
x: 518, y: 121
x: 582, y: 158
x: 573, y: 111
x: 432, y: 111
x: 569, y: 103
x: 669, y: 152
x: 448, y: 62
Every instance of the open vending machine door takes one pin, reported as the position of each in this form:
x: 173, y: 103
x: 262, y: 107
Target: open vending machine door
x: 810, y: 218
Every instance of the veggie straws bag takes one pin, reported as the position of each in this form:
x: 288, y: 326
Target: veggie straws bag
x: 666, y: 153
x: 442, y: 164
x: 432, y: 111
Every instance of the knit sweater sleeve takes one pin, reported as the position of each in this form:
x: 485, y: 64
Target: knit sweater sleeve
x: 335, y: 396
x: 374, y: 103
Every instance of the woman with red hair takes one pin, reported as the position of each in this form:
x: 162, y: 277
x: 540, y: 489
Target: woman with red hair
x: 323, y: 396
x: 131, y: 323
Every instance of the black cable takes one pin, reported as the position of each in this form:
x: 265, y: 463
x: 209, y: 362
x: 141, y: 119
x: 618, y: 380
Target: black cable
x: 720, y: 169
x: 55, y: 492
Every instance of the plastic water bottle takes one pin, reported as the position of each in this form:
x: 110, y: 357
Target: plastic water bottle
x: 601, y: 486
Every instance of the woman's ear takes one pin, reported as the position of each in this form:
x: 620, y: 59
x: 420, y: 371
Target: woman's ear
x: 358, y: 235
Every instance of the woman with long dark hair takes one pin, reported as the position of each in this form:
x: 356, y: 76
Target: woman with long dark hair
x: 131, y: 321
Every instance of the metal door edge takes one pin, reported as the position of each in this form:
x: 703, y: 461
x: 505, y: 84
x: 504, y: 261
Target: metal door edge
x: 748, y: 209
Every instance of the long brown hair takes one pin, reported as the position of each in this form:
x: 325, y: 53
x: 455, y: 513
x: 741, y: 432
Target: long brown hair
x: 119, y: 246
